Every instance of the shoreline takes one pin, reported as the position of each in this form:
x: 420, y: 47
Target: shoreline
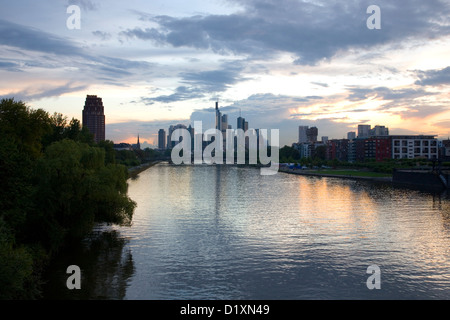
x: 134, y: 171
x: 343, y: 176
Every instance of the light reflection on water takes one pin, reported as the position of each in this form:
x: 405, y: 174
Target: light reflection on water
x: 222, y: 232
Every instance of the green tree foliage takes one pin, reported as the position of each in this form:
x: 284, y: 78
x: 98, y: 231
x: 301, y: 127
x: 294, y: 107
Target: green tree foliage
x: 289, y: 154
x: 55, y: 184
x: 127, y: 158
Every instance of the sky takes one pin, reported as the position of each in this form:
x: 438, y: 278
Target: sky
x: 279, y: 64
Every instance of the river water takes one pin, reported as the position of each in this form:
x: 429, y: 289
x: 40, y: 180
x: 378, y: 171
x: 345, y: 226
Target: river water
x: 223, y: 232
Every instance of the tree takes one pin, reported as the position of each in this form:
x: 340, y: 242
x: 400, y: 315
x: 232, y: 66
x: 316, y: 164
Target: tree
x: 75, y: 190
x: 55, y: 184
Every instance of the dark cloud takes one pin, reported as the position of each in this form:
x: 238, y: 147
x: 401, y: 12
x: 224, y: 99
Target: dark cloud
x: 433, y: 77
x: 181, y: 93
x: 102, y: 35
x: 50, y: 51
x: 40, y: 93
x: 200, y: 84
x: 311, y: 31
x: 215, y: 80
x: 10, y: 66
x: 26, y: 38
x: 384, y: 93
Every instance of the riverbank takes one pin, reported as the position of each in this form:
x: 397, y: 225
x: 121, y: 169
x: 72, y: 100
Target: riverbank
x: 345, y: 174
x: 134, y: 171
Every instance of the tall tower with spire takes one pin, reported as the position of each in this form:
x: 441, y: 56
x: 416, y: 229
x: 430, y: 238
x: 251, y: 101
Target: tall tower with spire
x: 218, y: 117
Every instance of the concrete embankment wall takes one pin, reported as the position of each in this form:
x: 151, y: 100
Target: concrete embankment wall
x: 411, y: 178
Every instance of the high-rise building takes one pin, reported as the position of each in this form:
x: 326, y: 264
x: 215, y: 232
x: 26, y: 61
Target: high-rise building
x: 170, y: 143
x: 218, y: 118
x: 161, y: 139
x: 302, y: 137
x: 378, y: 131
x: 364, y: 130
x: 94, y: 117
x: 224, y: 125
x: 240, y: 123
x: 311, y: 134
x: 351, y: 135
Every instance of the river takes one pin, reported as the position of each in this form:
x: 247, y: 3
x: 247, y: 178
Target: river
x: 227, y: 232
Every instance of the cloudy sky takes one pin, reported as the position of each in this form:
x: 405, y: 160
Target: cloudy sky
x: 279, y: 63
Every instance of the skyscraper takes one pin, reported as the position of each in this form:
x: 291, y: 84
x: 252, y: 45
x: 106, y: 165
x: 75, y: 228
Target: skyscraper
x: 170, y: 143
x: 311, y: 134
x: 224, y: 125
x: 94, y: 117
x: 218, y: 118
x: 240, y: 123
x: 364, y: 130
x: 302, y: 137
x: 161, y: 139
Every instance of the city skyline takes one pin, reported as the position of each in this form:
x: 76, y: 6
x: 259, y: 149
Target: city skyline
x: 279, y: 64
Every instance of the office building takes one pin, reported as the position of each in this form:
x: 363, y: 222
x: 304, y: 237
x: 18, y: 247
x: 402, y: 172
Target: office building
x: 94, y: 117
x: 379, y: 131
x: 218, y: 118
x: 224, y: 125
x: 364, y: 130
x: 170, y: 143
x: 161, y: 139
x: 240, y: 123
x: 302, y: 137
x: 311, y: 134
x: 351, y: 135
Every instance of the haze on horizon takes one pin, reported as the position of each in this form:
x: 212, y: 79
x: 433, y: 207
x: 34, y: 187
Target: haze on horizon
x: 280, y: 64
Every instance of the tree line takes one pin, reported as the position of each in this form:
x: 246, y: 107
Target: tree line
x: 55, y: 184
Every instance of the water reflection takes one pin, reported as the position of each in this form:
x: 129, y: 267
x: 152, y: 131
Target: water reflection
x: 222, y: 232
x: 106, y: 267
